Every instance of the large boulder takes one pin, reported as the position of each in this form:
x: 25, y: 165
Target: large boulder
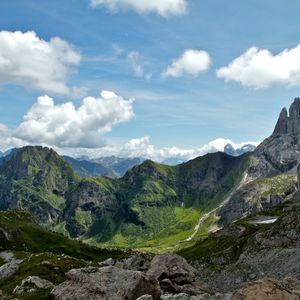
x: 107, y: 283
x: 270, y: 289
x: 174, y: 274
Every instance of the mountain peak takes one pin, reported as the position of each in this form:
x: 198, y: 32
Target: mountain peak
x: 289, y: 123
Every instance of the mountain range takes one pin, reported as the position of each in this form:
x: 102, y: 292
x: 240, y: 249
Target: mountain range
x: 152, y: 205
x: 234, y: 218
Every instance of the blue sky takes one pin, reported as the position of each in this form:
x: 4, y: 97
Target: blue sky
x: 126, y: 51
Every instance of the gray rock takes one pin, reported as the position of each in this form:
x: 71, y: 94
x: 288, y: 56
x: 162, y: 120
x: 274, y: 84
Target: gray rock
x: 108, y: 262
x: 174, y: 274
x: 31, y: 283
x: 145, y: 297
x: 1, y: 295
x: 11, y: 266
x: 173, y: 267
x: 137, y: 262
x: 107, y: 283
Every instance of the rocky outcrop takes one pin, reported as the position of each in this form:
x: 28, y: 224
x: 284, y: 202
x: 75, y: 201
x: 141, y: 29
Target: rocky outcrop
x: 32, y: 283
x: 107, y: 283
x: 271, y: 289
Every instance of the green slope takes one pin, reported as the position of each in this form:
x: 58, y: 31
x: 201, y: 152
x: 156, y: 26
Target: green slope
x: 152, y: 205
x: 43, y: 253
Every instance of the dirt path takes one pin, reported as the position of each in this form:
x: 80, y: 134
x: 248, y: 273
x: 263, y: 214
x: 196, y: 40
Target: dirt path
x: 206, y: 215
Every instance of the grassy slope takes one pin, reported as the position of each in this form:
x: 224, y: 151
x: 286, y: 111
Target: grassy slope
x: 45, y: 254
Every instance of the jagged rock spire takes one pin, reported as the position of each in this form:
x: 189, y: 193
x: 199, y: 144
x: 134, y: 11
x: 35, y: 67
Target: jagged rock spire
x: 289, y: 124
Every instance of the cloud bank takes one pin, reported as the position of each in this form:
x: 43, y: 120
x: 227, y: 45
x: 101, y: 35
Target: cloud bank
x: 261, y: 69
x: 191, y: 62
x: 142, y: 147
x: 163, y: 8
x: 29, y: 61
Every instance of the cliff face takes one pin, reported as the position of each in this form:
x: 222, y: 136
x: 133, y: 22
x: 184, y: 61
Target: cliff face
x: 281, y: 151
x: 289, y: 124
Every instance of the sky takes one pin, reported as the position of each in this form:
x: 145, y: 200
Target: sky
x: 157, y: 79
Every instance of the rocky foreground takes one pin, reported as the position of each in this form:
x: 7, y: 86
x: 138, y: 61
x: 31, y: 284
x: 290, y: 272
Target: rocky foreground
x: 166, y: 277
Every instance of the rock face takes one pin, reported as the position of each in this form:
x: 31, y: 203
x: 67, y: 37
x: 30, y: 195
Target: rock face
x: 280, y: 152
x: 271, y: 289
x: 107, y: 283
x: 289, y: 124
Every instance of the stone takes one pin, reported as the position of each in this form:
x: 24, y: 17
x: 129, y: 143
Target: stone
x: 31, y: 283
x: 106, y: 283
x: 172, y: 266
x: 272, y: 289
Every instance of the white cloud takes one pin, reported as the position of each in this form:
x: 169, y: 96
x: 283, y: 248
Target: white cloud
x: 64, y: 125
x: 142, y: 147
x: 191, y: 62
x: 161, y: 7
x: 138, y: 68
x: 261, y: 69
x: 27, y: 60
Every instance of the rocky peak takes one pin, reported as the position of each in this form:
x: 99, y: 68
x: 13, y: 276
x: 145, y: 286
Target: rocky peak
x: 289, y: 123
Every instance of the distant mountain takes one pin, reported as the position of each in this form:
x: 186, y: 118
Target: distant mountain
x: 110, y: 166
x: 228, y: 149
x: 173, y: 161
x: 118, y: 165
x: 87, y: 168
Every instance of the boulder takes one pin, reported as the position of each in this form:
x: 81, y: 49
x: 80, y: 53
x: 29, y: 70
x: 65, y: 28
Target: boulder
x: 107, y: 283
x: 174, y: 274
x: 173, y: 267
x: 32, y: 283
x: 271, y: 289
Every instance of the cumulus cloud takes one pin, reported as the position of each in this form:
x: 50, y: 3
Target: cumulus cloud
x: 191, y: 62
x: 27, y: 60
x: 134, y: 58
x: 64, y: 125
x: 161, y: 7
x: 261, y: 69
